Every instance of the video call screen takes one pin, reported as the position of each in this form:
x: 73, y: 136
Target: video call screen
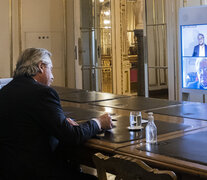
x: 194, y: 56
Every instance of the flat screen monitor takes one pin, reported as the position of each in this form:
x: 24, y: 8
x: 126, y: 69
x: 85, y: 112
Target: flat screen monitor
x: 192, y: 40
x: 193, y: 56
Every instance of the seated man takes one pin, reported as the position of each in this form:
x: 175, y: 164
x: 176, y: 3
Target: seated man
x: 32, y: 123
x: 201, y: 48
x: 201, y: 69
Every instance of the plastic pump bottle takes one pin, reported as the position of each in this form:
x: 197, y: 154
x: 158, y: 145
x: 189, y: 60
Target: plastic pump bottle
x: 151, y: 129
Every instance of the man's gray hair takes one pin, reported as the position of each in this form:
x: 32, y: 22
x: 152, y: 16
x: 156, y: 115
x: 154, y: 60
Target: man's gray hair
x: 200, y: 34
x: 28, y: 61
x: 198, y: 61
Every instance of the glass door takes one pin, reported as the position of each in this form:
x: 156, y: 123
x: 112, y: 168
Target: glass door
x: 157, y: 47
x: 95, y: 45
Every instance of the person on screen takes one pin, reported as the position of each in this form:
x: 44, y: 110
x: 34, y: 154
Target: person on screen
x: 34, y: 132
x: 201, y: 48
x: 201, y: 69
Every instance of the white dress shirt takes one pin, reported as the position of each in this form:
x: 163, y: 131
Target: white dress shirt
x: 202, y: 50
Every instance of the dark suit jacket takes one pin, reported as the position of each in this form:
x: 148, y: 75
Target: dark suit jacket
x: 31, y: 124
x: 196, y: 51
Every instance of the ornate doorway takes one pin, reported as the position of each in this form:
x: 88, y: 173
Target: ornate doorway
x: 95, y: 45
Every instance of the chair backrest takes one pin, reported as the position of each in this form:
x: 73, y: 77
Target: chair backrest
x: 126, y: 168
x: 4, y: 81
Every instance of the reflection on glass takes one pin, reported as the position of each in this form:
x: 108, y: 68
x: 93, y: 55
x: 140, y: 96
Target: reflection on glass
x: 105, y: 41
x: 96, y: 45
x: 134, y: 20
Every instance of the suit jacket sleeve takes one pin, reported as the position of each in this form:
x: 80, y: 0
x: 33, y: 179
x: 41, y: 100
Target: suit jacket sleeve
x: 196, y: 51
x: 53, y: 120
x: 205, y: 50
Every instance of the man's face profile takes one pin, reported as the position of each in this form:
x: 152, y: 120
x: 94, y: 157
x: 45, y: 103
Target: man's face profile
x: 45, y: 76
x: 200, y: 40
x: 202, y: 73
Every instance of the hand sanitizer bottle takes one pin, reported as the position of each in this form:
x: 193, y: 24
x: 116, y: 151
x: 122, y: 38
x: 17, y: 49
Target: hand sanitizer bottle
x: 151, y: 129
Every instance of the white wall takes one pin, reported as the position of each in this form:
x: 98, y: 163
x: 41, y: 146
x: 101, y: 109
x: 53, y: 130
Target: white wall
x: 38, y: 23
x: 43, y: 27
x: 70, y: 78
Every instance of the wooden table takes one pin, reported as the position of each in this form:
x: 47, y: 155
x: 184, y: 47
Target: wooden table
x: 83, y: 96
x: 186, y: 110
x: 185, y: 168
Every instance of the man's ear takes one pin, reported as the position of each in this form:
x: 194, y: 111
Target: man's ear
x: 41, y: 66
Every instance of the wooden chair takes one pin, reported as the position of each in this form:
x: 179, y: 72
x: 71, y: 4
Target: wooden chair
x: 126, y: 168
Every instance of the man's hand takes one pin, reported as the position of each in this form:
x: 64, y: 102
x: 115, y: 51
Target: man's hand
x: 105, y: 121
x: 73, y: 123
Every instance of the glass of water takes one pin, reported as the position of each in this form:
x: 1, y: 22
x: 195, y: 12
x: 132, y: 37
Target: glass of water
x: 135, y: 118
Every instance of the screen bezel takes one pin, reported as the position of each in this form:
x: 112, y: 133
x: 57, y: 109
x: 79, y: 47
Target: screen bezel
x: 193, y: 27
x: 189, y: 16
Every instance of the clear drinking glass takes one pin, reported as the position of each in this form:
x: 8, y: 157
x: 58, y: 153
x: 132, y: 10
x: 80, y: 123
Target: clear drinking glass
x: 135, y: 118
